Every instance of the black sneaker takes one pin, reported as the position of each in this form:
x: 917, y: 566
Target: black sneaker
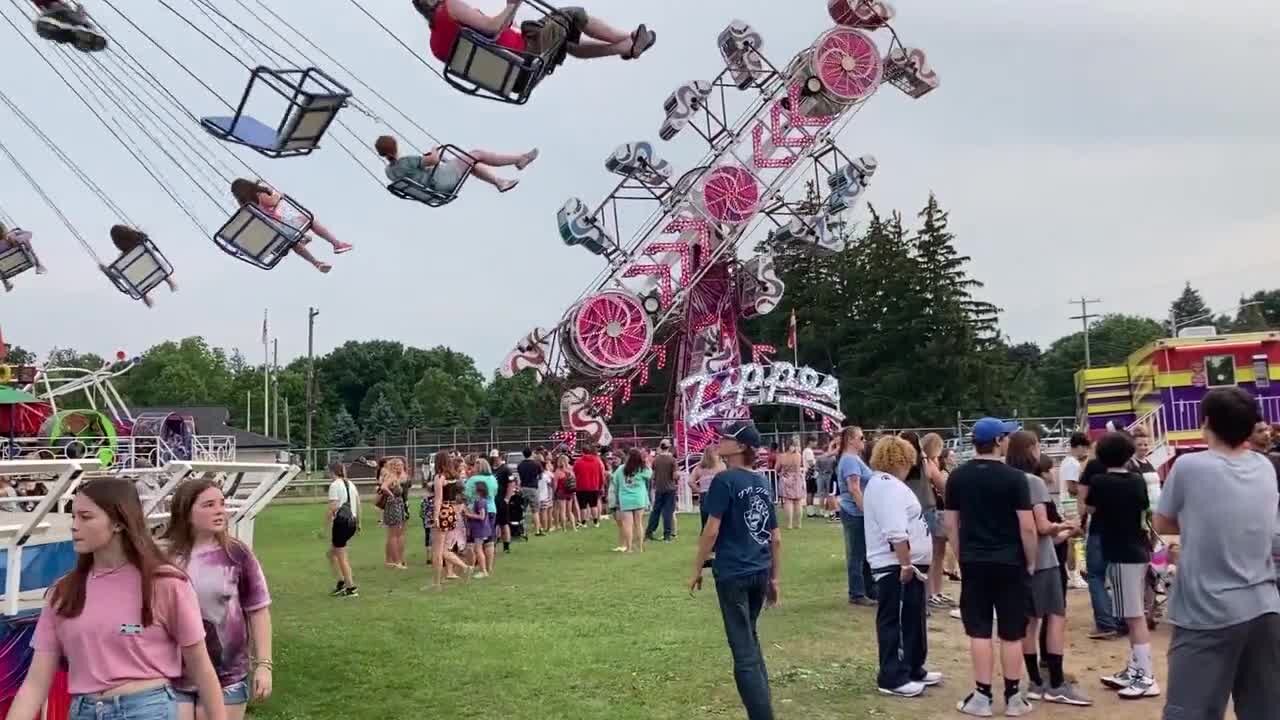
x: 338, y: 589
x: 69, y: 24
x: 352, y: 591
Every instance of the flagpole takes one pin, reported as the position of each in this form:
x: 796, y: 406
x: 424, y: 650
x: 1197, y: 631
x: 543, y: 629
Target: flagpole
x: 266, y: 378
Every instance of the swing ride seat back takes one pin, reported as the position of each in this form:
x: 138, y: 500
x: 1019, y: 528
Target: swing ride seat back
x: 311, y: 98
x: 409, y: 189
x: 479, y: 66
x: 254, y: 236
x: 15, y: 260
x: 140, y: 270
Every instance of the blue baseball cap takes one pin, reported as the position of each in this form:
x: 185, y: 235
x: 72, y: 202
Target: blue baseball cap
x: 743, y: 432
x: 989, y: 429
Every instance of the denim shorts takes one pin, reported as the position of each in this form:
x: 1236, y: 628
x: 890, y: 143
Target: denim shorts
x: 237, y: 693
x: 155, y: 704
x: 933, y: 519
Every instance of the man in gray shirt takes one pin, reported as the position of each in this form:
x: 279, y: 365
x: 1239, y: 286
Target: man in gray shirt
x: 1225, y: 607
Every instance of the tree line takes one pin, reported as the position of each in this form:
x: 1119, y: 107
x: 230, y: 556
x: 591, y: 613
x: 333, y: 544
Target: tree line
x: 896, y: 315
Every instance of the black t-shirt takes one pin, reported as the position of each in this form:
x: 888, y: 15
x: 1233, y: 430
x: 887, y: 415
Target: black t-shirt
x: 529, y: 471
x: 987, y: 495
x: 503, y: 475
x: 1119, y: 504
x: 1091, y: 469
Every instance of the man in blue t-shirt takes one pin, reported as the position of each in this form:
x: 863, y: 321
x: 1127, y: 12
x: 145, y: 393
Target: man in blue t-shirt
x: 852, y: 474
x: 742, y: 529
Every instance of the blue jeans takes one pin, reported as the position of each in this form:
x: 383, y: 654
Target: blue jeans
x: 861, y: 583
x: 158, y: 704
x: 741, y: 600
x: 237, y: 693
x: 664, y: 506
x: 1096, y: 576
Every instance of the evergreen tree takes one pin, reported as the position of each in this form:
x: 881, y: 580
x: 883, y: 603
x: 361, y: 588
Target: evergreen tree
x: 414, y: 416
x: 380, y: 421
x: 344, y: 433
x: 1189, y: 308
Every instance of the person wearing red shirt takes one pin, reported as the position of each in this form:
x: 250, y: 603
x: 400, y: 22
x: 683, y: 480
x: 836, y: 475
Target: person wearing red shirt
x: 589, y: 472
x: 562, y: 34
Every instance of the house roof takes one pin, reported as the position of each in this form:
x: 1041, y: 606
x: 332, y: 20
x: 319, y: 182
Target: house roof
x: 212, y: 420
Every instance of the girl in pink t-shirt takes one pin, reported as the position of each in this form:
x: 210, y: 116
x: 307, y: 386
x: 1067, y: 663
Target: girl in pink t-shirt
x: 233, y: 597
x: 125, y: 621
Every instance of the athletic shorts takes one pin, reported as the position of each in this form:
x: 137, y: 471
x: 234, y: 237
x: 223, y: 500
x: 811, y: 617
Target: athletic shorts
x: 341, y: 533
x: 588, y: 498
x: 552, y: 33
x: 1128, y: 584
x: 530, y: 496
x: 811, y: 483
x: 1047, y: 597
x: 987, y: 588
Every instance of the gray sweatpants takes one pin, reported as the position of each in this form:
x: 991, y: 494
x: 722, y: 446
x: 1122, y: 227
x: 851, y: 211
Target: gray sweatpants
x: 1208, y: 667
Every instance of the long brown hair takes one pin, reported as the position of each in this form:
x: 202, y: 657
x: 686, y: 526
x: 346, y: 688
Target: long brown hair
x: 445, y: 466
x: 387, y: 147
x: 119, y: 501
x: 846, y: 437
x: 246, y: 192
x: 635, y: 462
x: 126, y: 238
x: 1021, y: 452
x: 180, y: 536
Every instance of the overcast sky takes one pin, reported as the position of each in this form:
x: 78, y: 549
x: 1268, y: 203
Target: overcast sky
x: 1114, y: 150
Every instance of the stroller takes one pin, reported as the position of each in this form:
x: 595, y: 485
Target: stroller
x: 1160, y: 572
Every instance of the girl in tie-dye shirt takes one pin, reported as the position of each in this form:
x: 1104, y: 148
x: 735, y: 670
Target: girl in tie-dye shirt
x: 232, y: 591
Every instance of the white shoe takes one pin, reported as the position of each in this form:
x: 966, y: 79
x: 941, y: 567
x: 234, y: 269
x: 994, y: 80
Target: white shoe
x: 930, y: 679
x: 908, y: 690
x: 480, y: 575
x: 975, y: 704
x: 1017, y: 706
x: 955, y: 614
x: 1141, y: 686
x: 1120, y: 680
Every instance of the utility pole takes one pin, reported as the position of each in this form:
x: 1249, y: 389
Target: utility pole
x: 1084, y: 317
x: 311, y: 380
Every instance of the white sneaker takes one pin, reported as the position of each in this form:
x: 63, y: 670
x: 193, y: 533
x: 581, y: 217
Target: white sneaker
x: 955, y: 614
x: 1141, y: 686
x: 930, y: 678
x: 480, y: 575
x: 1017, y: 706
x: 908, y: 690
x: 1075, y: 582
x: 1120, y: 680
x: 975, y: 704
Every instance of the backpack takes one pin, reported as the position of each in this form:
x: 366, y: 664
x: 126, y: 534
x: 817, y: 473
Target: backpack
x: 571, y: 483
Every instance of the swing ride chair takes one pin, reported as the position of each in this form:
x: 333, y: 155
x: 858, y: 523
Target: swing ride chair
x: 254, y: 236
x: 479, y: 66
x: 14, y: 261
x: 140, y: 270
x: 313, y: 99
x: 409, y: 189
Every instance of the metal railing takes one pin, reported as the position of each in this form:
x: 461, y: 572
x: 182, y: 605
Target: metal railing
x: 119, y: 453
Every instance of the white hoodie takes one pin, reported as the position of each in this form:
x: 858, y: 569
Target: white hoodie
x: 894, y: 515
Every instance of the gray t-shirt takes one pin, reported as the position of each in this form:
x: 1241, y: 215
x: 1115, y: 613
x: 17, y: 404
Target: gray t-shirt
x: 1046, y: 557
x: 1226, y: 509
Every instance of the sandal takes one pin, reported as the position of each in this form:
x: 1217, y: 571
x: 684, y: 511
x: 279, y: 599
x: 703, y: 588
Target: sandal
x: 641, y: 40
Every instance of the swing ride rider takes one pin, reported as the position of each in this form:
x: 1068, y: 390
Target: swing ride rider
x: 443, y: 172
x: 249, y: 192
x: 11, y: 238
x: 126, y: 239
x: 562, y: 32
x: 67, y: 23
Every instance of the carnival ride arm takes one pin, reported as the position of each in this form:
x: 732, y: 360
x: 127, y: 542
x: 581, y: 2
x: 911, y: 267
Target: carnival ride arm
x: 466, y: 15
x: 29, y: 701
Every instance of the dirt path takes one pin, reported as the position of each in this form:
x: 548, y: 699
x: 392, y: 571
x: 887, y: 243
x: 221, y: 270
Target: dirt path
x: 1086, y: 659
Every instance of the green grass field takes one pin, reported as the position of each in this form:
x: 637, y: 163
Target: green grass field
x: 565, y: 630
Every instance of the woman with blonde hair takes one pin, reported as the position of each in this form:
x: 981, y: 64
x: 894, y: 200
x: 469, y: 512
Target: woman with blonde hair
x: 391, y: 478
x: 900, y: 554
x: 935, y: 475
x: 791, y: 483
x: 233, y: 596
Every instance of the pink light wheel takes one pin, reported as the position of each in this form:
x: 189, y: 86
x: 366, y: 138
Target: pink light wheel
x: 611, y: 330
x: 848, y: 63
x: 731, y: 194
